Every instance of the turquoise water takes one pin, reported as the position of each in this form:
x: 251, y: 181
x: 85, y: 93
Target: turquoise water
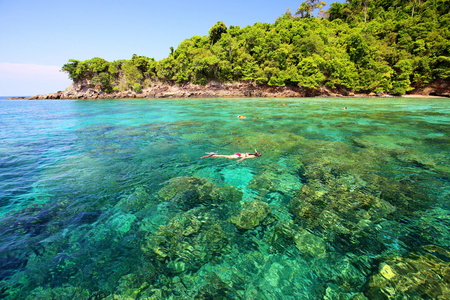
x: 109, y: 198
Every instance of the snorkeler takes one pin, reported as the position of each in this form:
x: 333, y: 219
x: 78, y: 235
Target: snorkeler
x: 242, y: 156
x: 244, y: 117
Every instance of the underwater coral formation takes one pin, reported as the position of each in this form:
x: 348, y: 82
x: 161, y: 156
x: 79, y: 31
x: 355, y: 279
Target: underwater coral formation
x: 320, y: 220
x: 418, y: 276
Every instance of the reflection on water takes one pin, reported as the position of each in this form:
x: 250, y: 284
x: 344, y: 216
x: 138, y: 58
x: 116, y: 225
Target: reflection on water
x: 109, y: 199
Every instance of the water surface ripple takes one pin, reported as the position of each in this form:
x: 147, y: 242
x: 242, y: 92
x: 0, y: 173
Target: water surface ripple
x: 104, y: 199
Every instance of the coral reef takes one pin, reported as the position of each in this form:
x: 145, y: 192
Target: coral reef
x: 338, y: 211
x: 60, y: 293
x: 417, y: 276
x: 356, y: 217
x: 251, y: 215
x: 187, y: 192
x: 188, y: 241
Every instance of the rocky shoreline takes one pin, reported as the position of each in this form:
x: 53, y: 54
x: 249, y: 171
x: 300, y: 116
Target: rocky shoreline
x: 85, y: 90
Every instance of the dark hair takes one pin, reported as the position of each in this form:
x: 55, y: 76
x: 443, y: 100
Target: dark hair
x: 255, y: 154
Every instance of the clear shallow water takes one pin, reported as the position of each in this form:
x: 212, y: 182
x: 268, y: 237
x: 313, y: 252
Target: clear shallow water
x: 103, y: 198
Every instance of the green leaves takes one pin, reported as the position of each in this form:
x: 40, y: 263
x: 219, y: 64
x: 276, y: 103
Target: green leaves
x: 72, y: 69
x: 310, y: 74
x: 364, y: 45
x: 357, y: 48
x: 216, y: 31
x: 306, y: 8
x: 402, y: 82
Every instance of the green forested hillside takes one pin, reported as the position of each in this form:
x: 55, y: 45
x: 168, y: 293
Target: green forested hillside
x: 388, y: 46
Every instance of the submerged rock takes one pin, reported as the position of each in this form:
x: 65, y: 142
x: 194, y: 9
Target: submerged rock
x: 215, y: 288
x: 406, y: 196
x: 187, y: 192
x: 288, y: 233
x: 332, y: 294
x: 121, y: 223
x: 188, y: 241
x: 130, y: 287
x: 276, y: 180
x: 412, y: 277
x: 309, y: 244
x: 336, y: 210
x: 136, y: 201
x: 251, y: 214
x: 60, y: 293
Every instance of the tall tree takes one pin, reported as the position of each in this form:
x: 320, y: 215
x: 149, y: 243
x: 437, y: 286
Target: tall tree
x: 216, y: 32
x: 307, y: 7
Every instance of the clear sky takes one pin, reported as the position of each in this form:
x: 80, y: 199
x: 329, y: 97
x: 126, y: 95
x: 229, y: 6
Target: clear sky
x: 38, y: 37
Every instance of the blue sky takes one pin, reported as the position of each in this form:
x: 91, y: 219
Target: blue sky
x: 38, y: 37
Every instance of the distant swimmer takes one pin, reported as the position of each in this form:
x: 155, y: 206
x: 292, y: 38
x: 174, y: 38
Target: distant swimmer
x: 239, y: 155
x: 244, y: 117
x: 344, y: 108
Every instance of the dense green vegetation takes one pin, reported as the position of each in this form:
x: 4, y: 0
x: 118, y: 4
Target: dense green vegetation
x: 362, y: 45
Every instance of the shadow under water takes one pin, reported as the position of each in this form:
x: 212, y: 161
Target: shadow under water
x: 109, y: 199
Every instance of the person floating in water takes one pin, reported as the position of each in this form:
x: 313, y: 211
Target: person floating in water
x: 242, y: 156
x: 244, y: 117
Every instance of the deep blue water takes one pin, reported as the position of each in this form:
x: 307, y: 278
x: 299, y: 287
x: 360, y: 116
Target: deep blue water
x: 109, y: 197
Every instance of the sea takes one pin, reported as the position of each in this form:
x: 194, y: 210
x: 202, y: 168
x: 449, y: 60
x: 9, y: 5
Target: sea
x: 110, y: 199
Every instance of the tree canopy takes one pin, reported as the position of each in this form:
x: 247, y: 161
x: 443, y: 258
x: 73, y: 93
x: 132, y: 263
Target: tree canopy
x: 362, y: 45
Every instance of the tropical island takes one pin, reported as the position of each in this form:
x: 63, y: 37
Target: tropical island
x: 358, y: 48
